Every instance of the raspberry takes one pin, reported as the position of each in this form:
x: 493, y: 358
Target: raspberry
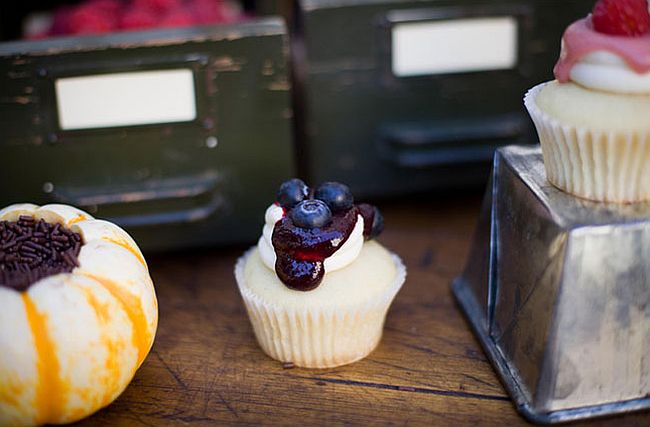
x: 621, y: 17
x: 109, y: 7
x: 160, y: 7
x: 231, y: 11
x: 87, y: 19
x: 137, y: 18
x: 177, y: 18
x: 205, y: 11
x: 213, y: 12
x: 61, y: 21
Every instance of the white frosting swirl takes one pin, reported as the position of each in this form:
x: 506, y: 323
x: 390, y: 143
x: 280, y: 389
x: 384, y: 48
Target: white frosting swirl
x: 347, y: 253
x: 602, y: 70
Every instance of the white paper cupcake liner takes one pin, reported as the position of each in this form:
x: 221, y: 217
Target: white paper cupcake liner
x: 606, y: 166
x: 322, y: 338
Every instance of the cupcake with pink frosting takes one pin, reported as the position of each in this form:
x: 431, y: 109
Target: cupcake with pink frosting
x: 593, y: 121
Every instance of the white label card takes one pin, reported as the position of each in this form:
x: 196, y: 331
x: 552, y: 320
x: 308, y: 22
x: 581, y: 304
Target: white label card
x: 126, y: 99
x: 454, y: 46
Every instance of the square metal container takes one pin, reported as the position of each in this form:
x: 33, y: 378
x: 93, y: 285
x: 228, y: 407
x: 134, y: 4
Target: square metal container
x: 170, y: 184
x: 557, y: 290
x: 385, y: 132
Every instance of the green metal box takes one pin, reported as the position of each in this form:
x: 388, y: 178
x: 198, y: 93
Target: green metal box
x: 181, y: 136
x: 404, y: 95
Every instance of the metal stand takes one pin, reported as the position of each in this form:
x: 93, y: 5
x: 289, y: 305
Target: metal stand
x: 557, y: 290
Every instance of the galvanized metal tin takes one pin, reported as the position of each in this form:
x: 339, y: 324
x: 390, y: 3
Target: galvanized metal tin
x: 558, y: 291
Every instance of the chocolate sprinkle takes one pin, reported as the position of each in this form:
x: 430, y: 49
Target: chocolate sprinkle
x: 31, y: 250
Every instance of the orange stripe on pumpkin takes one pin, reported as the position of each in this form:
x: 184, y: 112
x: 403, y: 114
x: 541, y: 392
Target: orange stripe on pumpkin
x: 50, y: 393
x: 101, y: 309
x: 78, y: 218
x: 126, y: 245
x: 112, y: 373
x: 133, y: 309
x: 10, y: 393
x: 112, y: 370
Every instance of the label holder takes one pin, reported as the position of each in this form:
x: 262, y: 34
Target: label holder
x: 196, y: 63
x: 395, y: 18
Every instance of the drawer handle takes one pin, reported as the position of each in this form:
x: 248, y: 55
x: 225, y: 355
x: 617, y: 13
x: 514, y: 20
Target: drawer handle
x: 171, y: 191
x: 430, y: 144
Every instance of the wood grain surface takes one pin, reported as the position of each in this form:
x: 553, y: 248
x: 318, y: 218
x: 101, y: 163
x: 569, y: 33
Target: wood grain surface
x: 205, y: 367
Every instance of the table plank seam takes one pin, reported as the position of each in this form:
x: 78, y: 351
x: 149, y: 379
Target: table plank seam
x: 451, y: 393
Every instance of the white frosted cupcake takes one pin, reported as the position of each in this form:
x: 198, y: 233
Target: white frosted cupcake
x: 592, y: 121
x: 315, y: 287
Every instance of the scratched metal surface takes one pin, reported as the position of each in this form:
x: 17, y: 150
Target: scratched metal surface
x: 561, y: 300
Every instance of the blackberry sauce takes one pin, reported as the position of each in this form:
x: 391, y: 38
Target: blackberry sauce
x: 301, y: 252
x: 368, y: 213
x: 31, y: 250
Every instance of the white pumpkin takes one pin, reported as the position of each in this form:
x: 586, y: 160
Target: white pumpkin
x: 71, y: 343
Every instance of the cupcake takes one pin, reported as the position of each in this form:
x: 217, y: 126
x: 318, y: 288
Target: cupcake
x: 317, y: 286
x: 592, y: 120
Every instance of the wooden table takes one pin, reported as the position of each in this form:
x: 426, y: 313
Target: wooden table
x: 205, y: 367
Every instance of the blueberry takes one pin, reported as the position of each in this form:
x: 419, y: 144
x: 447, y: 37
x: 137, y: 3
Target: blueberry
x: 377, y: 224
x: 337, y: 196
x: 311, y: 214
x: 292, y: 192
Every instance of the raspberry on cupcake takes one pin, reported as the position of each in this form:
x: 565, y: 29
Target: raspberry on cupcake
x: 592, y: 120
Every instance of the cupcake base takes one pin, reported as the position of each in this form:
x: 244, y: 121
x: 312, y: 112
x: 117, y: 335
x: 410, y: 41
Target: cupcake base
x: 607, y: 165
x: 323, y: 328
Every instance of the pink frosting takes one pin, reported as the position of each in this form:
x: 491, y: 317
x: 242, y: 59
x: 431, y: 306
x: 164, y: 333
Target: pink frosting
x: 580, y: 39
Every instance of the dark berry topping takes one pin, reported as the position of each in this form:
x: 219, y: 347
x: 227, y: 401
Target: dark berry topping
x: 313, y: 229
x: 377, y: 224
x: 373, y: 221
x: 337, y: 196
x: 311, y: 214
x: 292, y: 192
x: 301, y: 275
x: 301, y: 252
